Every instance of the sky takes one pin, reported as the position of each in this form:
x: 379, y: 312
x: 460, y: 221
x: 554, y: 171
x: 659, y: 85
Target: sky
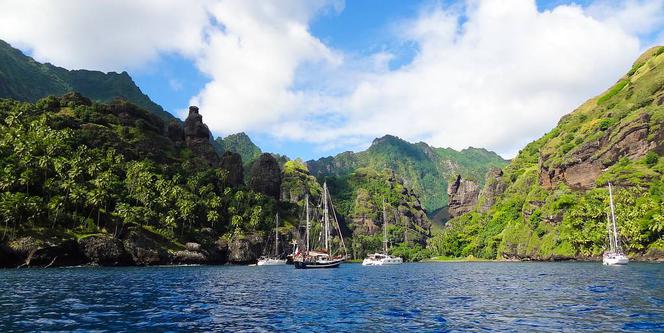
x: 312, y: 78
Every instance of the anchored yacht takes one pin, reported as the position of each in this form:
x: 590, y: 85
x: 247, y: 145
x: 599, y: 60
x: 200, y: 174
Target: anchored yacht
x: 273, y: 261
x: 615, y: 254
x: 380, y: 259
x: 322, y: 258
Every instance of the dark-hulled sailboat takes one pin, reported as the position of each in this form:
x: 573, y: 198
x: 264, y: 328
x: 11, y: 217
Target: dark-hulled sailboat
x: 325, y: 257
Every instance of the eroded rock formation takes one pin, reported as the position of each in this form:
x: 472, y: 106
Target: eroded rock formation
x: 197, y: 137
x: 463, y: 196
x: 582, y: 166
x: 246, y: 249
x: 494, y: 186
x: 266, y: 176
x: 232, y: 163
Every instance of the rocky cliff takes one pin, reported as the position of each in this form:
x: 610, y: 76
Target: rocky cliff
x: 463, y: 196
x: 423, y: 168
x: 297, y: 183
x: 265, y: 176
x: 232, y: 164
x: 197, y: 137
x: 551, y: 201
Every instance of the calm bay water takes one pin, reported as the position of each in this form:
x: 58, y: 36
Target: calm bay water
x: 422, y: 297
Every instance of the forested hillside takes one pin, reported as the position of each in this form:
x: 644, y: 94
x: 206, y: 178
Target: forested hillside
x: 24, y: 79
x: 425, y: 169
x: 551, y: 201
x: 120, y: 183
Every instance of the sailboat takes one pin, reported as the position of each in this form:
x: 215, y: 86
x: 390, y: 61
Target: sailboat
x: 615, y: 254
x: 322, y: 258
x: 380, y: 259
x: 273, y: 261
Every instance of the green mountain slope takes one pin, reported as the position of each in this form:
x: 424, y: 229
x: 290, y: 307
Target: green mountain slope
x: 22, y: 78
x: 423, y: 168
x: 239, y: 143
x: 551, y: 201
x: 110, y: 184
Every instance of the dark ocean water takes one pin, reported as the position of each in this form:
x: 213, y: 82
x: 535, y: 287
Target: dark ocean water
x: 420, y: 297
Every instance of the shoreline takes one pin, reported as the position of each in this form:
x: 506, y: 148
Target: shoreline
x: 354, y: 261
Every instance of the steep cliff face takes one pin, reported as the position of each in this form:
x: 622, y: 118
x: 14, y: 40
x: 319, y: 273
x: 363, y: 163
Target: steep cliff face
x: 232, y: 164
x: 583, y: 165
x: 359, y: 201
x: 551, y: 201
x: 463, y: 195
x: 197, y: 137
x: 423, y: 168
x: 297, y: 183
x: 494, y: 186
x: 240, y: 143
x: 265, y: 176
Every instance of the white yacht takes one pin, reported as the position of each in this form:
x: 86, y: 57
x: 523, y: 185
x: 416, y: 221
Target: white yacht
x: 380, y: 259
x: 615, y: 254
x: 273, y: 261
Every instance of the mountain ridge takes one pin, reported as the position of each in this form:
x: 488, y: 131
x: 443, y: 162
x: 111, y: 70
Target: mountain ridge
x: 427, y: 169
x: 25, y: 79
x: 551, y: 201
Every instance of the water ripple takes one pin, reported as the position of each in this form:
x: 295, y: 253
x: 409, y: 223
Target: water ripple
x: 442, y: 297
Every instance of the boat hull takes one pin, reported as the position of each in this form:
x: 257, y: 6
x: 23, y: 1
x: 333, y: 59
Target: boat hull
x: 271, y: 262
x: 379, y: 259
x: 317, y: 264
x: 368, y: 262
x: 615, y: 260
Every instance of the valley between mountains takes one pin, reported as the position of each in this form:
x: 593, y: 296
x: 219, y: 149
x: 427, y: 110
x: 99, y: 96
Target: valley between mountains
x: 94, y: 172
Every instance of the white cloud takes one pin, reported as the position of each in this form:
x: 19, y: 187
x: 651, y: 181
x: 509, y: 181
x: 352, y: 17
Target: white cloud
x: 497, y: 80
x: 497, y: 74
x: 106, y: 34
x: 492, y: 74
x: 253, y: 57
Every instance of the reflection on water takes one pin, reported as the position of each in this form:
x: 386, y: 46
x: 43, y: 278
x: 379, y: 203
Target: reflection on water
x: 422, y: 297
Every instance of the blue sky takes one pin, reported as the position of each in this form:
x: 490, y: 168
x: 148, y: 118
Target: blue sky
x: 317, y: 77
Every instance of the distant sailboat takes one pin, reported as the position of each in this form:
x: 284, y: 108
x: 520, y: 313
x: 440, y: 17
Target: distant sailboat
x: 273, y: 261
x: 323, y: 258
x: 615, y: 254
x: 380, y: 259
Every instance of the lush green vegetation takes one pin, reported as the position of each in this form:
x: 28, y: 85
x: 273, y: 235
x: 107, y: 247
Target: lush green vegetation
x: 69, y: 168
x: 359, y: 202
x: 425, y: 169
x: 24, y: 79
x: 531, y: 220
x: 240, y: 143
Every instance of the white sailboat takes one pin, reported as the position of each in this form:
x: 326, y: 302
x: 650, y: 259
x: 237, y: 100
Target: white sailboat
x: 615, y: 254
x: 380, y: 259
x: 273, y: 261
x: 323, y: 258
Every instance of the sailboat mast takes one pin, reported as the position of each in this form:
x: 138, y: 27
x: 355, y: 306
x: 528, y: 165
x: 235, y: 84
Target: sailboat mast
x: 608, y: 228
x: 307, y: 205
x: 384, y: 229
x: 326, y: 218
x: 613, y: 218
x: 276, y: 236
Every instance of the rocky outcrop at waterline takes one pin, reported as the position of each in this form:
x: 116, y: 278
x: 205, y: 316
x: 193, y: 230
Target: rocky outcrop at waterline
x: 136, y: 247
x: 245, y: 249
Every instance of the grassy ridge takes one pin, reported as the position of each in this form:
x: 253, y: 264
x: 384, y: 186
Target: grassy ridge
x: 531, y: 220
